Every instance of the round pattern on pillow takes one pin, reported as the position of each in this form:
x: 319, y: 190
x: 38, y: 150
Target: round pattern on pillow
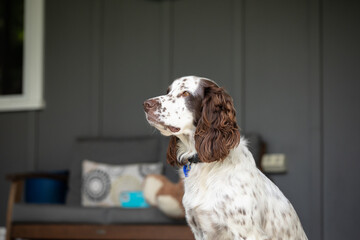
x: 96, y: 185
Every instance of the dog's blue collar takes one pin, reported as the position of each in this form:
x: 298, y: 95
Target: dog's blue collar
x: 194, y: 159
x: 187, y: 167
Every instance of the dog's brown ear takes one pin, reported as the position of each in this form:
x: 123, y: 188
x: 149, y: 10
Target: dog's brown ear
x: 217, y: 131
x: 171, y: 151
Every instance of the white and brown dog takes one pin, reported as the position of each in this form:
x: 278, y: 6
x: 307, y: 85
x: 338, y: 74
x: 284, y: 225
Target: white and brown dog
x: 226, y: 196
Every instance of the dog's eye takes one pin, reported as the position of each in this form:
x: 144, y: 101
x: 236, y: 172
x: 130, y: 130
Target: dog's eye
x: 185, y: 94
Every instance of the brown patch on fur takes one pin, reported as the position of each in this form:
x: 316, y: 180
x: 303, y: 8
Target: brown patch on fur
x: 242, y: 211
x: 217, y: 131
x: 171, y: 151
x: 193, y: 104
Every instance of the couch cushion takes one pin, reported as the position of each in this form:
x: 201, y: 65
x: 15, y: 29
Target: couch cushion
x: 146, y: 215
x: 51, y: 213
x: 103, y: 184
x: 111, y: 151
x: 42, y: 213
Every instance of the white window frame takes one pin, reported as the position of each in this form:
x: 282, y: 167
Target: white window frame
x: 32, y: 94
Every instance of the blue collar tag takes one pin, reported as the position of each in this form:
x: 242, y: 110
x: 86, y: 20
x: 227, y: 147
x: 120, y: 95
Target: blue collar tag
x: 187, y: 169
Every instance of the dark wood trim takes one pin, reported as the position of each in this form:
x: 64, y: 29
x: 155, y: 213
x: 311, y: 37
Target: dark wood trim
x: 104, y: 232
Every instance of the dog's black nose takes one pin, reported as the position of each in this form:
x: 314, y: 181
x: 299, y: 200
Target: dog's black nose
x: 151, y: 104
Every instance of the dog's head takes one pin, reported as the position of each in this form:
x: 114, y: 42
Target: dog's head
x: 196, y: 107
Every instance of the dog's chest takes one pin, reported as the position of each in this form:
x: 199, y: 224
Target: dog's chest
x: 212, y: 188
x: 212, y: 200
x: 200, y: 188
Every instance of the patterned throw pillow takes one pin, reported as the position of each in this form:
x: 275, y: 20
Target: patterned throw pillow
x: 103, y: 183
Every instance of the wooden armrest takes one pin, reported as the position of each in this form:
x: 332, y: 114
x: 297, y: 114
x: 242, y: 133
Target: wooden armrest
x: 23, y: 176
x: 16, y: 189
x: 14, y: 197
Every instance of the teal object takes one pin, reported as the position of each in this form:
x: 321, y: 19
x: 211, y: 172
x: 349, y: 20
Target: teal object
x: 46, y: 190
x: 133, y: 199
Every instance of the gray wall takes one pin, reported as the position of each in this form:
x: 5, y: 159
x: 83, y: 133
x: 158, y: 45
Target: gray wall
x: 341, y: 113
x: 291, y: 67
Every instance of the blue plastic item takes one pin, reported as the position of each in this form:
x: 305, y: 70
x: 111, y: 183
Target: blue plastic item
x: 46, y: 190
x: 133, y: 199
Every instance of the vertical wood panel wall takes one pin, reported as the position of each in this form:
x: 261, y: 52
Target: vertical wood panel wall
x: 278, y: 94
x: 289, y: 65
x: 341, y: 113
